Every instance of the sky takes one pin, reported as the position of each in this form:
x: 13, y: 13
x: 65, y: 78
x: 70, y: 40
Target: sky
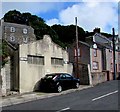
x: 90, y: 13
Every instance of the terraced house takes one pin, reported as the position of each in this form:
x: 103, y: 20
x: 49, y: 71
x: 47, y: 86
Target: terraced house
x: 95, y: 59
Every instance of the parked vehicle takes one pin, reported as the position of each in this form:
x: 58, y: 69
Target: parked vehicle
x: 59, y: 81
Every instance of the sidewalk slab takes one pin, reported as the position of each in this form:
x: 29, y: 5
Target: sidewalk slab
x: 6, y: 102
x: 16, y: 100
x: 30, y: 97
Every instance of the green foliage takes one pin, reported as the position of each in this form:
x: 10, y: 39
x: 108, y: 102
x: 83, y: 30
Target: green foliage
x: 67, y: 34
x: 106, y: 35
x: 3, y: 52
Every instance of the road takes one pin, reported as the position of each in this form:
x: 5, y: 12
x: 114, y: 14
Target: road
x: 101, y: 97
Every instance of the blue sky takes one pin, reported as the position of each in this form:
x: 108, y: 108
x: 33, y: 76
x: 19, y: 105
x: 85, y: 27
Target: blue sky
x: 90, y: 13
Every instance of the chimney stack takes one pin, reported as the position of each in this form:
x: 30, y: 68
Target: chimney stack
x: 96, y: 30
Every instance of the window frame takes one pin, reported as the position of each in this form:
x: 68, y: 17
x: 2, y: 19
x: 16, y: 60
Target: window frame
x: 57, y: 61
x: 12, y: 29
x: 38, y: 60
x: 95, y: 52
x: 97, y: 64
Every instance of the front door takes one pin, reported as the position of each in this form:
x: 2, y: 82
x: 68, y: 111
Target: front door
x: 15, y: 71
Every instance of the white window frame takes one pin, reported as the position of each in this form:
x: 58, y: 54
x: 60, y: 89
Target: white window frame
x: 25, y: 31
x: 95, y: 65
x: 12, y: 38
x: 12, y: 29
x: 95, y: 52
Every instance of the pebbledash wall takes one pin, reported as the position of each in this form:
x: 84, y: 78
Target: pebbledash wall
x: 40, y: 58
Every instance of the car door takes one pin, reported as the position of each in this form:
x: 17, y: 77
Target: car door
x: 69, y: 81
x: 63, y: 80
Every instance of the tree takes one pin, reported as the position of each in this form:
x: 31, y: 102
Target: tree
x: 67, y: 34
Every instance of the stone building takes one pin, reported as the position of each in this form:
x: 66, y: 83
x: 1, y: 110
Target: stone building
x: 17, y: 33
x: 39, y: 58
x: 14, y: 35
x: 29, y: 60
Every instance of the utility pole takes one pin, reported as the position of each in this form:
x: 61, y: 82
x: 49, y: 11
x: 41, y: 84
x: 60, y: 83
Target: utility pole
x: 114, y: 60
x: 77, y: 67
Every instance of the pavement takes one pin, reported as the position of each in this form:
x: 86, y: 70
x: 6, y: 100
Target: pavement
x: 22, y: 98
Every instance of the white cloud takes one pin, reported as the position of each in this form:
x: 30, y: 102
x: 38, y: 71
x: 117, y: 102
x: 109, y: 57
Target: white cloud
x: 90, y: 13
x: 103, y: 15
x: 32, y: 7
x: 60, y: 1
x: 52, y: 21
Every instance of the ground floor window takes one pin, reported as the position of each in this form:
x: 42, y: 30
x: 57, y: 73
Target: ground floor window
x: 56, y: 61
x: 32, y: 59
x: 95, y: 65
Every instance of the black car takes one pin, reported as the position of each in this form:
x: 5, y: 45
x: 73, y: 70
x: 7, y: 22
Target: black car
x: 59, y: 81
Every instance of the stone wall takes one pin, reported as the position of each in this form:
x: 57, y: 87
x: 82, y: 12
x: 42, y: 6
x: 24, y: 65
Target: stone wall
x: 5, y: 75
x: 98, y: 77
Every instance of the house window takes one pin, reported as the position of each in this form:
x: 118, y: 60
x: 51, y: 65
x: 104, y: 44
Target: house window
x: 12, y: 38
x: 75, y: 52
x: 56, y: 61
x: 110, y: 50
x: 95, y: 65
x: 35, y: 59
x: 25, y: 39
x: 12, y: 29
x: 25, y: 31
x: 95, y: 52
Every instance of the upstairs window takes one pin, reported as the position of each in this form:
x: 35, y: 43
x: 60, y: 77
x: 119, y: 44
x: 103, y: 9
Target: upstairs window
x: 12, y: 38
x: 95, y: 52
x: 12, y: 29
x: 79, y: 52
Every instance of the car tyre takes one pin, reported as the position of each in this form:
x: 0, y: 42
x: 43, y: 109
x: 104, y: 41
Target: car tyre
x: 76, y: 85
x: 59, y: 88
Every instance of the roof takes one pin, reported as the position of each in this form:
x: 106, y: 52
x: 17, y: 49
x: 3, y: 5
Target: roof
x: 100, y: 40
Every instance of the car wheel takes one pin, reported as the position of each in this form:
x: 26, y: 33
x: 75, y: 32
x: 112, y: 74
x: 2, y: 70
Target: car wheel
x: 77, y: 85
x: 59, y: 88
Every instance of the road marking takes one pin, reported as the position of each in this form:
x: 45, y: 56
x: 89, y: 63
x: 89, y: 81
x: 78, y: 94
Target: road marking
x: 104, y: 95
x: 63, y: 109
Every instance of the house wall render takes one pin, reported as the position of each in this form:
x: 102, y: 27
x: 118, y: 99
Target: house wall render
x: 52, y: 59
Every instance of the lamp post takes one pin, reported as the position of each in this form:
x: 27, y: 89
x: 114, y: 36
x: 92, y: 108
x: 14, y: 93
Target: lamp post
x: 114, y: 64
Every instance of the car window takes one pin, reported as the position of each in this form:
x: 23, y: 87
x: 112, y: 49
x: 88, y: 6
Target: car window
x: 49, y: 76
x: 68, y: 76
x: 62, y: 76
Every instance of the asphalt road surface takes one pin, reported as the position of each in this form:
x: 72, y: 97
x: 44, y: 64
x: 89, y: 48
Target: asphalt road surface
x: 100, y: 97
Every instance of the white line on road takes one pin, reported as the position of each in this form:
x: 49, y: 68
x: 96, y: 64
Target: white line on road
x: 63, y: 109
x: 104, y: 95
